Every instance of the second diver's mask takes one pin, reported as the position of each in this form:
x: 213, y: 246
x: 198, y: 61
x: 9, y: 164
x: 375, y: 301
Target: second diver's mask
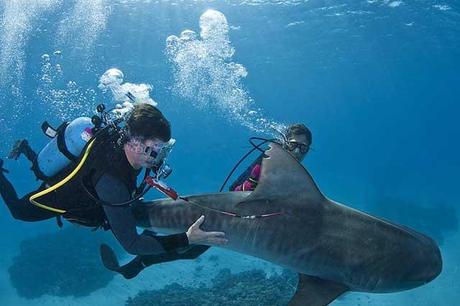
x: 297, y: 147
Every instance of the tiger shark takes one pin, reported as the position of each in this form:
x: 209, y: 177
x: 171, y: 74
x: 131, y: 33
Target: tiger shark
x: 333, y: 248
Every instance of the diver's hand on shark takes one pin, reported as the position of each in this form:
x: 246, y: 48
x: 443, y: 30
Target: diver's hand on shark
x: 196, y: 235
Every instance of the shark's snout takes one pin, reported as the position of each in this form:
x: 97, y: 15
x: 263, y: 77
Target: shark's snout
x: 432, y: 263
x: 426, y: 264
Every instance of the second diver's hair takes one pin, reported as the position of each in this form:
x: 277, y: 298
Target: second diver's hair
x: 299, y: 129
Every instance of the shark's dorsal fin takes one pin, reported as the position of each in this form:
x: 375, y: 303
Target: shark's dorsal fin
x: 314, y: 291
x: 283, y: 176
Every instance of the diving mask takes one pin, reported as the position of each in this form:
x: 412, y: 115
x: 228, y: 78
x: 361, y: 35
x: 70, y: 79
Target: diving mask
x: 155, y: 153
x: 138, y: 147
x: 297, y: 147
x: 159, y: 159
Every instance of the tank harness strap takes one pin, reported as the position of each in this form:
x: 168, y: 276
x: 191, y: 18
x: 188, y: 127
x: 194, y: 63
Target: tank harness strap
x: 33, y: 198
x: 61, y: 142
x: 39, y: 175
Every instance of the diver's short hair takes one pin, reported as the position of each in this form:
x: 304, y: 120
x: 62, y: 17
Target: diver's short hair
x: 299, y: 129
x: 147, y: 121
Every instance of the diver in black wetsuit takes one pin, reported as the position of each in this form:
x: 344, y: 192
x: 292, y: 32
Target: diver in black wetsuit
x: 107, y: 177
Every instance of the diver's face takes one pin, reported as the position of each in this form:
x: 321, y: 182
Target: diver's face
x: 144, y: 152
x: 299, y: 146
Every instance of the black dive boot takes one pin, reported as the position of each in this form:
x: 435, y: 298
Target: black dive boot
x: 135, y: 266
x: 110, y: 261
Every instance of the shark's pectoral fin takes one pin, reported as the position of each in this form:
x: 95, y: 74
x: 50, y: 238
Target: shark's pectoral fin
x: 314, y: 291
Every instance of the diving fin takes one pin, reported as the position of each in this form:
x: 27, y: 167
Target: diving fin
x: 314, y: 291
x: 108, y: 257
x: 18, y: 149
x: 110, y: 261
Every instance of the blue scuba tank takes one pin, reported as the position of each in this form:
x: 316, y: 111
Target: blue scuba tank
x: 65, y: 147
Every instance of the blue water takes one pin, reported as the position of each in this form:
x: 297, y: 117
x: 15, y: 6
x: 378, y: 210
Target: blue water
x: 376, y: 82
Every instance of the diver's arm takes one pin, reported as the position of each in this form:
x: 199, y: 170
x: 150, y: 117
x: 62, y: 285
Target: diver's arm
x: 123, y: 225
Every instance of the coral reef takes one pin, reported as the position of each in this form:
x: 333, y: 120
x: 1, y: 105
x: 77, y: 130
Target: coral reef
x: 65, y: 263
x: 250, y: 288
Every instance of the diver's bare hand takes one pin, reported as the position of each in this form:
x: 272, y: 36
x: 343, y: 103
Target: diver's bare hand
x: 196, y: 235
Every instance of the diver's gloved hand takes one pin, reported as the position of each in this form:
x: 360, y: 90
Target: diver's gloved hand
x: 3, y: 170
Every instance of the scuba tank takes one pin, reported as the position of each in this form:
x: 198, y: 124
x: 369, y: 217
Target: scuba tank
x: 64, y: 148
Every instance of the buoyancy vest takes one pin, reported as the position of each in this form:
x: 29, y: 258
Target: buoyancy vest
x: 73, y: 200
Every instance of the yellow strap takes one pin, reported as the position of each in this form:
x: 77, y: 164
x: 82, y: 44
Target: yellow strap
x: 59, y: 184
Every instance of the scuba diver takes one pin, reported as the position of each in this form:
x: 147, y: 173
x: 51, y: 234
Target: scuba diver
x: 89, y: 176
x: 296, y: 140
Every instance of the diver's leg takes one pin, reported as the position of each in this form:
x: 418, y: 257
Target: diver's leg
x: 194, y: 252
x: 139, y: 263
x: 20, y: 209
x: 29, y: 153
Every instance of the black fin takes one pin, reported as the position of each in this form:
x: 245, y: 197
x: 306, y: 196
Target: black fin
x: 18, y: 149
x: 314, y: 291
x: 109, y: 259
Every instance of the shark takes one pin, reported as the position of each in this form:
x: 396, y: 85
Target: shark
x: 333, y: 247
